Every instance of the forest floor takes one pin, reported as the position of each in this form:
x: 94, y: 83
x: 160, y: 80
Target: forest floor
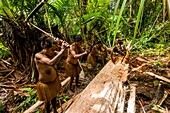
x: 150, y: 91
x: 16, y: 95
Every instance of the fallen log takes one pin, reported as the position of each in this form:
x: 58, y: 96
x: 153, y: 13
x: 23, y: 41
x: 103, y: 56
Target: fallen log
x: 159, y: 77
x: 121, y: 103
x: 40, y: 103
x: 103, y: 94
x: 131, y: 102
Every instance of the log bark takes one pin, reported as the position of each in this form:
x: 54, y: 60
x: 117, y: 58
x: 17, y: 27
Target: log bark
x: 103, y: 92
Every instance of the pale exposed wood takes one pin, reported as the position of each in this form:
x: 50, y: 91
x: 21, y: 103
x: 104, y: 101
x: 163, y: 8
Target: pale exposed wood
x: 131, y: 102
x: 121, y: 104
x: 160, y: 109
x: 142, y: 60
x: 140, y: 68
x: 117, y: 96
x: 157, y: 76
x: 6, y: 62
x: 34, y: 107
x: 163, y: 98
x: 103, y: 92
x: 38, y: 104
x: 65, y: 81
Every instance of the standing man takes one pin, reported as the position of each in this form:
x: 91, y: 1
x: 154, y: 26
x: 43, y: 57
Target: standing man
x: 72, y: 65
x: 49, y: 84
x: 96, y: 52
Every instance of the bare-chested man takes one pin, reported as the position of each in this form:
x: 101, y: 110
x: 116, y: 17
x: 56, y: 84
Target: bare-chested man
x: 49, y: 84
x: 74, y: 54
x: 96, y: 52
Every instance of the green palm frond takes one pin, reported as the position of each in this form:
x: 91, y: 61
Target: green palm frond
x: 118, y: 21
x: 138, y: 19
x: 5, y: 9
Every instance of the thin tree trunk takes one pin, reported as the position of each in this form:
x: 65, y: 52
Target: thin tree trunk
x: 168, y: 8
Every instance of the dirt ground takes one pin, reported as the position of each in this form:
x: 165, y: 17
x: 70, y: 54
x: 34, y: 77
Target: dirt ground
x: 150, y: 90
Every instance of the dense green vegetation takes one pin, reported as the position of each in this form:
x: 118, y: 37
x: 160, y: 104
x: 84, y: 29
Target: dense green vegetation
x: 145, y: 22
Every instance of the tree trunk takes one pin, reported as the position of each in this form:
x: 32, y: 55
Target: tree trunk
x: 105, y: 93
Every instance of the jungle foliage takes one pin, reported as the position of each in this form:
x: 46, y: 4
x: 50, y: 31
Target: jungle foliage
x: 145, y: 22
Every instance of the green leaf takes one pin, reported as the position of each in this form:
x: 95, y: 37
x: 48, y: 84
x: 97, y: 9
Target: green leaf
x: 26, y: 89
x: 118, y: 20
x: 138, y: 19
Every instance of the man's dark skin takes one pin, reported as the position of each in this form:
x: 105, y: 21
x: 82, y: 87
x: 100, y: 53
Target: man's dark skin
x: 97, y: 51
x: 49, y: 84
x: 74, y: 54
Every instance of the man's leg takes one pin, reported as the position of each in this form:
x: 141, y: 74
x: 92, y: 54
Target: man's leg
x: 54, y: 104
x: 47, y: 107
x: 71, y: 82
x: 77, y: 79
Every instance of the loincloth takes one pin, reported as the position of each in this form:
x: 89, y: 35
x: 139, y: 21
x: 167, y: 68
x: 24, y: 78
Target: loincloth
x: 47, y: 91
x: 72, y: 69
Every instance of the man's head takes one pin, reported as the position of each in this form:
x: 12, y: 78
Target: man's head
x: 46, y: 42
x: 118, y: 41
x: 99, y: 44
x: 77, y: 39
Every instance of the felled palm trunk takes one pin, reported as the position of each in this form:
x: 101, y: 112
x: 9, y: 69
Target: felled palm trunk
x: 106, y: 93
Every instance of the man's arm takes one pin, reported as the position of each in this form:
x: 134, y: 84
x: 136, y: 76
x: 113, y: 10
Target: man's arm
x: 48, y: 61
x: 76, y: 55
x: 54, y: 60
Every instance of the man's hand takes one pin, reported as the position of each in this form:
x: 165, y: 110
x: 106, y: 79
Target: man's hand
x: 87, y: 49
x: 65, y: 45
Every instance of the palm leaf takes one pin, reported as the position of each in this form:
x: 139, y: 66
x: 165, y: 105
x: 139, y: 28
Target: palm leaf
x: 138, y: 19
x: 111, y: 27
x: 5, y: 10
x: 118, y: 20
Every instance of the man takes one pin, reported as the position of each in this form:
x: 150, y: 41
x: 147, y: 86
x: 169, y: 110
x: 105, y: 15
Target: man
x: 119, y: 47
x: 97, y: 51
x: 118, y: 51
x: 49, y: 84
x: 75, y: 52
